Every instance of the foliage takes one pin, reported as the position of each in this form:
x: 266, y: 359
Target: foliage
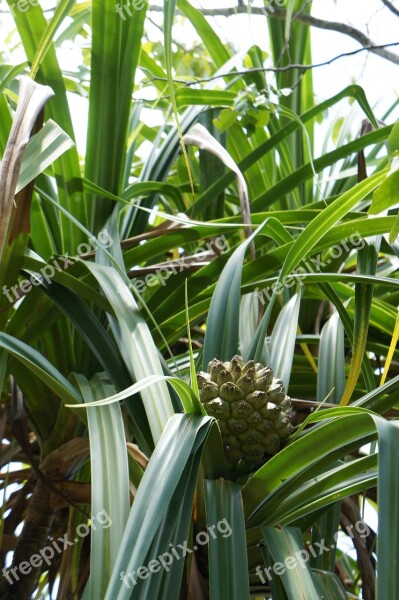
x: 152, y: 270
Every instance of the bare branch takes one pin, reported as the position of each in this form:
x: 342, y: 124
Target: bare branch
x: 348, y: 30
x: 391, y: 7
x: 290, y: 67
x: 277, y: 13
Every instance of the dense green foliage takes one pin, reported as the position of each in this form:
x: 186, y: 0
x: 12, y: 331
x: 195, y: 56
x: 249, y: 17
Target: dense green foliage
x: 126, y: 270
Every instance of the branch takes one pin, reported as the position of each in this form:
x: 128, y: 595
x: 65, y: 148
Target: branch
x: 277, y: 13
x: 348, y: 30
x: 307, y: 67
x: 290, y: 67
x: 391, y: 7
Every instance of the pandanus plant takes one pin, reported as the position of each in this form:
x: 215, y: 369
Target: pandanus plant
x: 205, y: 483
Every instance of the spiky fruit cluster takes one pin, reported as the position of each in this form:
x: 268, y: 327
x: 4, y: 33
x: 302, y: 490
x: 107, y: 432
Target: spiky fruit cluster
x: 251, y: 407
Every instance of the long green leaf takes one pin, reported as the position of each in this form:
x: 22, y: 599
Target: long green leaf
x: 137, y: 346
x: 109, y: 486
x: 41, y: 367
x: 367, y: 263
x: 42, y: 150
x: 62, y: 10
x: 329, y: 217
x: 286, y: 547
x: 228, y: 565
x: 181, y: 440
x: 283, y: 339
x: 115, y: 55
x: 388, y: 521
x: 331, y: 364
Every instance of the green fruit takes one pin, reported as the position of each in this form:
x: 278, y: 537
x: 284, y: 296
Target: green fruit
x: 251, y: 407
